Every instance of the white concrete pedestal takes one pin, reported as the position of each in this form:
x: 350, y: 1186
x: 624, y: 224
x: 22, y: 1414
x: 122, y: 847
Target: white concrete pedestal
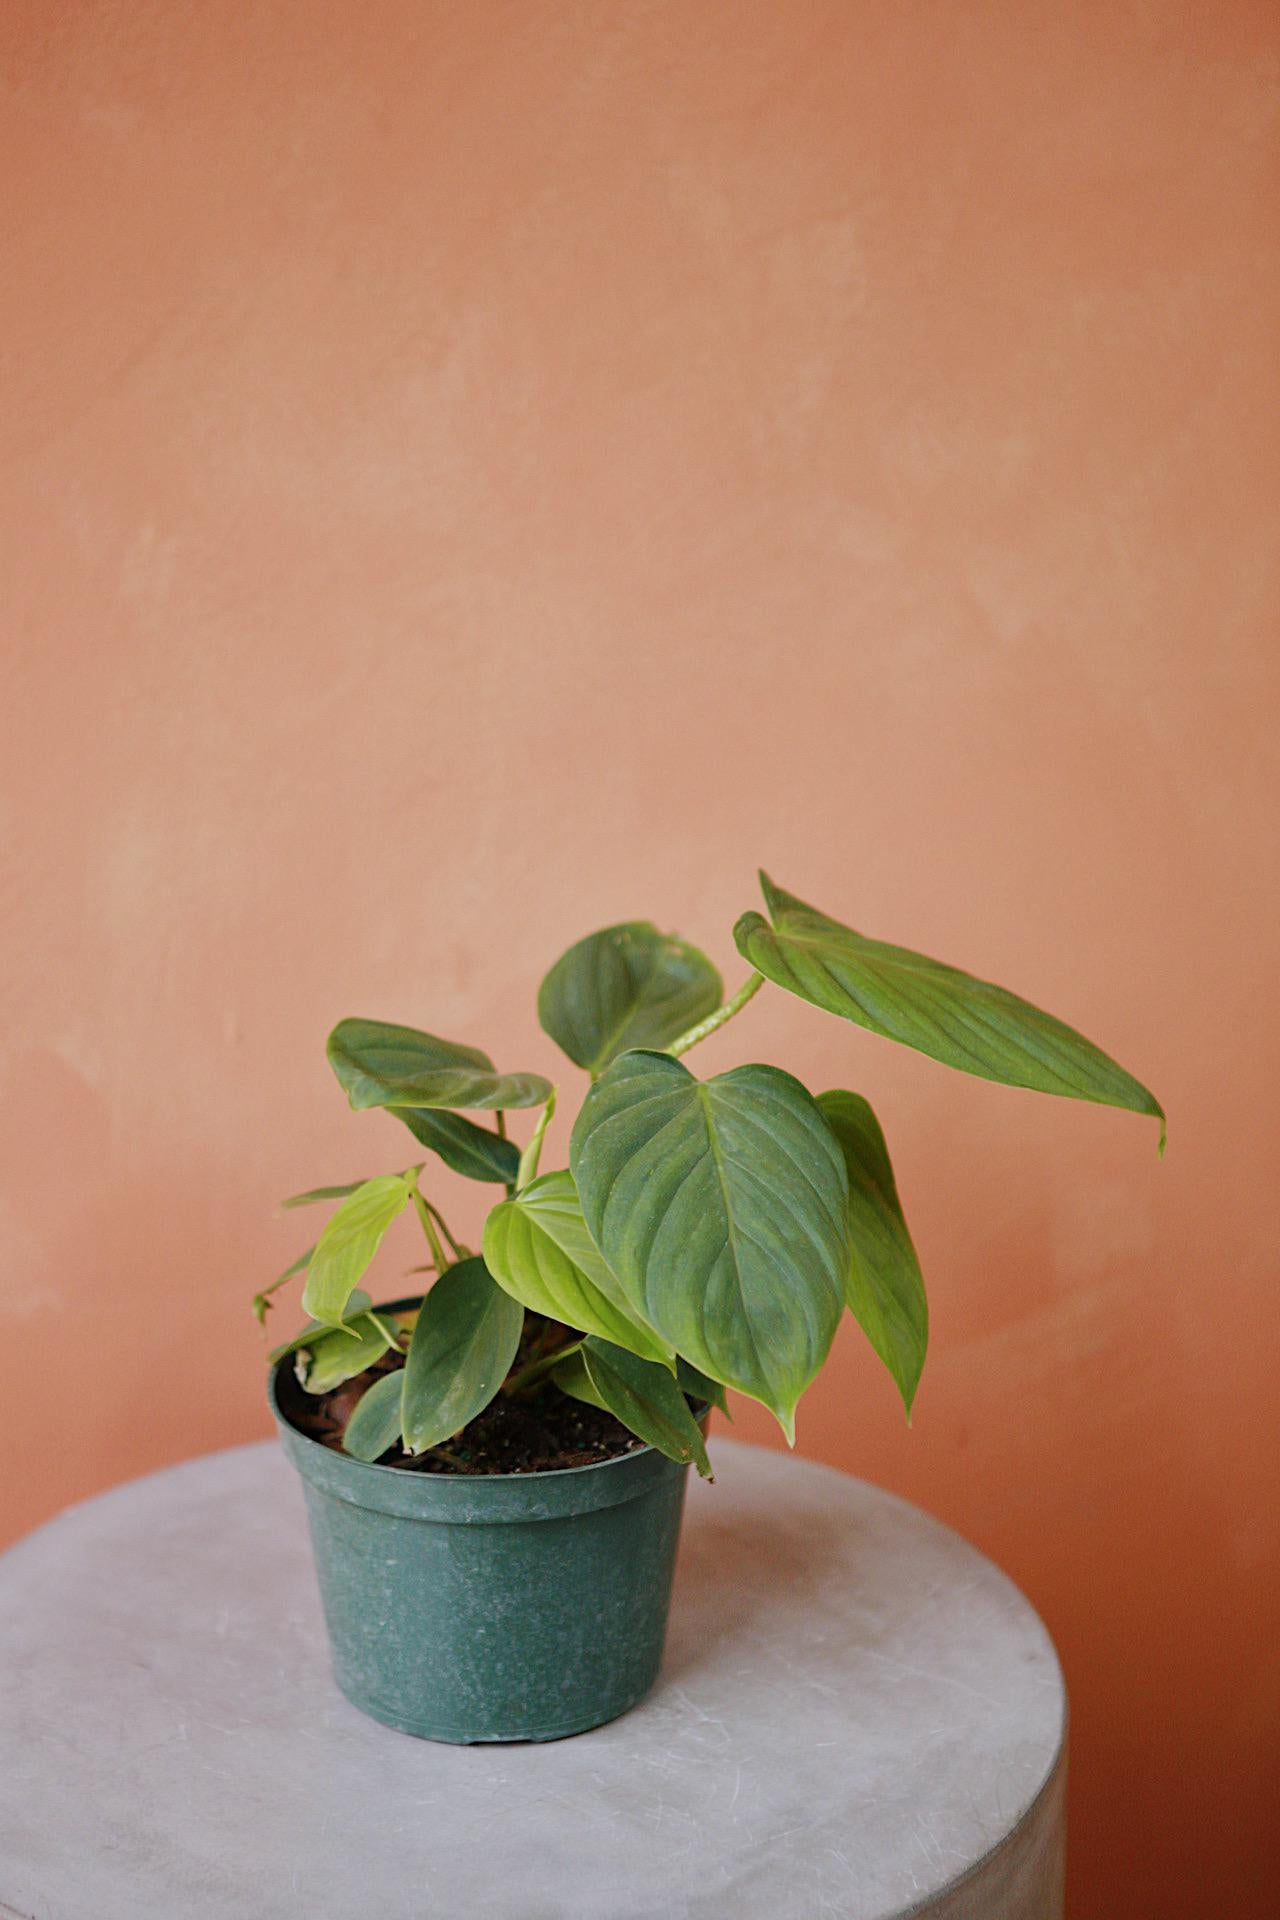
x: 858, y: 1717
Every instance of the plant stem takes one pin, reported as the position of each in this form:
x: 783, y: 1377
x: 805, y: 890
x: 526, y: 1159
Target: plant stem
x: 459, y: 1251
x: 428, y: 1227
x: 533, y: 1152
x: 750, y: 986
x: 536, y: 1368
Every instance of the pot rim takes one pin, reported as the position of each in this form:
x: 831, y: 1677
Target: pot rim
x: 472, y: 1480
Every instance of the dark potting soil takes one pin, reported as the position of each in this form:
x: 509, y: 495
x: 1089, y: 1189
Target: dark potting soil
x: 535, y: 1434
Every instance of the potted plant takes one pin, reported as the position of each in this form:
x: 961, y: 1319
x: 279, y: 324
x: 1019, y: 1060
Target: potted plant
x: 494, y: 1467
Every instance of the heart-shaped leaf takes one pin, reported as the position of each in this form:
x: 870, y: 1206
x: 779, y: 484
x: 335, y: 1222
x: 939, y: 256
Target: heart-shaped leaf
x: 953, y: 1017
x: 476, y: 1152
x: 350, y: 1239
x: 642, y: 1395
x: 627, y: 986
x: 382, y: 1065
x: 537, y: 1247
x: 336, y: 1354
x: 375, y: 1424
x: 463, y: 1343
x: 884, y: 1286
x: 722, y: 1208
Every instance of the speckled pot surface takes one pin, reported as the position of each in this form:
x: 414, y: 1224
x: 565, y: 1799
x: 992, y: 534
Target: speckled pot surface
x: 496, y: 1606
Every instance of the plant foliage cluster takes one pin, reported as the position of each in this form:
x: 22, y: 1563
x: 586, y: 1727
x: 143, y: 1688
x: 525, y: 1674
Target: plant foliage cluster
x: 706, y: 1234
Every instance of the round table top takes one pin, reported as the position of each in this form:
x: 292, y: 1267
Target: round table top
x: 858, y: 1715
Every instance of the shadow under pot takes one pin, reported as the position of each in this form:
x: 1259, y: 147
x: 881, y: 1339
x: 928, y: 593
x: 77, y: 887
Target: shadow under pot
x: 512, y: 1606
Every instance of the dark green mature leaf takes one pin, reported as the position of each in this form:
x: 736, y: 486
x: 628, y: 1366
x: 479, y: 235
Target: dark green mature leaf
x: 335, y: 1354
x: 722, y: 1208
x: 382, y: 1065
x: 647, y: 1400
x: 538, y: 1249
x: 477, y: 1152
x: 953, y: 1017
x: 350, y: 1239
x: 571, y: 1377
x: 464, y: 1341
x: 701, y: 1386
x: 375, y: 1424
x: 627, y: 986
x: 884, y: 1286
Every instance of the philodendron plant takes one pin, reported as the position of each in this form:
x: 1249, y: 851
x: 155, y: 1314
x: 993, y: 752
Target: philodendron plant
x: 706, y: 1233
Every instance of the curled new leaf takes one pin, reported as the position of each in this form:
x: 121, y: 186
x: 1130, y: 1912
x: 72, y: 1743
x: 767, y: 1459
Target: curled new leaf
x: 722, y: 1208
x: 952, y: 1016
x: 626, y: 986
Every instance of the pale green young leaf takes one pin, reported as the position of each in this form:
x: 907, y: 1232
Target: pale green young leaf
x: 350, y: 1239
x: 626, y: 986
x: 379, y: 1064
x: 722, y: 1209
x: 314, y: 1194
x: 336, y: 1354
x: 952, y: 1016
x: 358, y: 1303
x: 884, y: 1286
x: 538, y: 1249
x: 463, y: 1344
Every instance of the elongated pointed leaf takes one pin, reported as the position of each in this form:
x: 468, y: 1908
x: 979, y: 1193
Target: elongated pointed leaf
x: 336, y: 1354
x: 884, y: 1286
x: 476, y: 1152
x: 314, y: 1194
x: 463, y: 1344
x: 647, y: 1400
x: 375, y: 1424
x: 538, y: 1249
x: 350, y: 1239
x: 952, y: 1016
x: 722, y: 1208
x: 382, y: 1065
x: 627, y: 986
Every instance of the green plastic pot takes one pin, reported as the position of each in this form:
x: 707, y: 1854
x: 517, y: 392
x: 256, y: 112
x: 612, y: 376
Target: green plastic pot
x: 513, y: 1606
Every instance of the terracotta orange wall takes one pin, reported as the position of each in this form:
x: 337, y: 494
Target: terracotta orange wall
x: 471, y: 473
